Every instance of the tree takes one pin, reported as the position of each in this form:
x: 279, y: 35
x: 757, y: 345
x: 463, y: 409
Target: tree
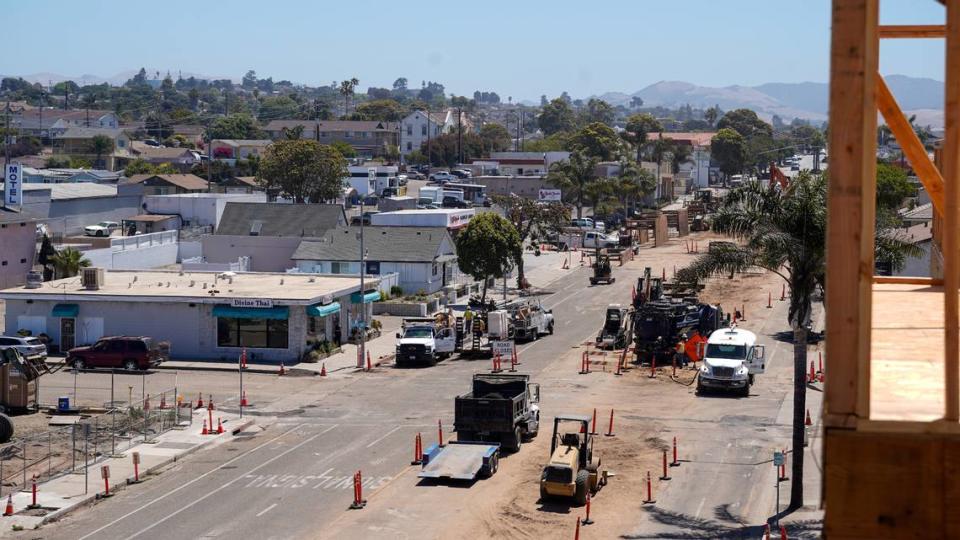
x: 679, y: 154
x: 746, y: 123
x: 400, y: 84
x: 785, y: 233
x: 529, y: 218
x: 234, y: 126
x: 292, y: 133
x: 345, y: 149
x: 632, y: 183
x: 892, y: 187
x: 45, y: 257
x: 597, y: 110
x: 636, y: 102
x: 729, y: 150
x: 495, y: 138
x: 638, y: 128
x: 712, y: 114
x: 303, y: 169
x: 599, y: 193
x: 555, y: 117
x: 249, y: 81
x: 572, y: 177
x: 67, y: 263
x: 386, y: 110
x: 554, y: 143
x: 346, y: 90
x: 275, y: 107
x: 596, y: 140
x: 488, y: 247
x: 100, y: 145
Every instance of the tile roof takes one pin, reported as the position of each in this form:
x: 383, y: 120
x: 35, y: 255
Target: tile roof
x: 89, y: 133
x: 387, y: 244
x: 280, y: 219
x: 694, y: 138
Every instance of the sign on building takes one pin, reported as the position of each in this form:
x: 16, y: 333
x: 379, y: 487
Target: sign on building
x: 550, y: 195
x: 251, y: 302
x: 13, y: 184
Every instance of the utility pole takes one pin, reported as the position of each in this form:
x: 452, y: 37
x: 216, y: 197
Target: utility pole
x: 6, y: 151
x: 429, y: 148
x: 459, y: 135
x: 40, y: 127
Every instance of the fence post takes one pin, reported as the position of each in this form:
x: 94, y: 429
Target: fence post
x: 25, y: 462
x: 96, y: 437
x: 49, y: 454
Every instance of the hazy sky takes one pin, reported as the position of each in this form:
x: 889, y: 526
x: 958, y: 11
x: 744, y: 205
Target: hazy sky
x: 519, y: 48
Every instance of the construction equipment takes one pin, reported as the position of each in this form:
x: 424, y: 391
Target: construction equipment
x: 460, y: 461
x: 602, y: 271
x: 573, y: 469
x: 501, y: 407
x: 529, y: 319
x: 613, y: 334
x: 658, y: 325
x: 698, y: 223
x: 778, y: 178
x: 648, y: 288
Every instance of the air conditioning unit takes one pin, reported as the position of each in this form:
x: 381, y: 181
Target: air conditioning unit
x: 92, y: 278
x: 34, y: 279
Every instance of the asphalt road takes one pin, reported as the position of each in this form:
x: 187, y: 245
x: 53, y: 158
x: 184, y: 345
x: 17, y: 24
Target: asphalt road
x: 294, y: 477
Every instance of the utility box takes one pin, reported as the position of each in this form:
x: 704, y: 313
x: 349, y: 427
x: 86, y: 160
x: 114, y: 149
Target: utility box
x: 498, y: 324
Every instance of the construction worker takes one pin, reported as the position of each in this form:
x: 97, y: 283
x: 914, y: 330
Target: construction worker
x: 468, y: 320
x: 693, y: 348
x: 679, y: 351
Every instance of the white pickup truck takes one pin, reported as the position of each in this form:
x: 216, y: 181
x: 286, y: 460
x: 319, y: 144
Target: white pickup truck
x: 420, y: 341
x: 731, y: 360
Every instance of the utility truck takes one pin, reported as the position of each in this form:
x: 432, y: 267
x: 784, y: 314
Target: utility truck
x: 422, y: 341
x: 731, y: 360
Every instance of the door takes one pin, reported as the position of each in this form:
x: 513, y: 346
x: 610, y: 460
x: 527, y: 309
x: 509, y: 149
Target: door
x: 115, y: 353
x: 445, y: 341
x: 68, y: 331
x: 756, y: 361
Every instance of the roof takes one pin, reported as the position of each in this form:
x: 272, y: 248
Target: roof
x: 185, y: 181
x: 924, y: 212
x: 693, y: 138
x: 89, y: 133
x: 280, y: 219
x: 921, y: 232
x: 389, y: 244
x: 243, y: 142
x: 150, y: 218
x: 160, y: 286
x: 158, y: 152
x: 11, y: 216
x: 248, y: 180
x: 73, y: 190
x: 333, y: 125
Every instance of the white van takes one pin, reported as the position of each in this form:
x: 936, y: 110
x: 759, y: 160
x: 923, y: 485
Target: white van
x: 731, y: 360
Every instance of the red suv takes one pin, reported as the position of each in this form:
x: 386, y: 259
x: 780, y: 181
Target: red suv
x: 127, y: 352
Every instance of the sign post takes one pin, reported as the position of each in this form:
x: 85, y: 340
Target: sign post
x: 777, y: 463
x: 12, y: 185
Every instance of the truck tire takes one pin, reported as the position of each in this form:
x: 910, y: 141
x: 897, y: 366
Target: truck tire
x: 511, y: 442
x: 491, y: 468
x: 550, y: 329
x: 6, y: 428
x: 582, y: 484
x: 746, y: 390
x: 543, y: 493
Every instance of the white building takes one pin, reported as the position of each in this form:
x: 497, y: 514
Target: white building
x: 415, y: 127
x: 198, y: 209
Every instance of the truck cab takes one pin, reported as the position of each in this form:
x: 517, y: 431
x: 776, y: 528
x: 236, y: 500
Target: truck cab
x: 731, y: 360
x: 599, y: 239
x: 421, y: 341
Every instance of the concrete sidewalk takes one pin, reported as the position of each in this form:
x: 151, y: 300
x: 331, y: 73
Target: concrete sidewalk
x: 66, y: 493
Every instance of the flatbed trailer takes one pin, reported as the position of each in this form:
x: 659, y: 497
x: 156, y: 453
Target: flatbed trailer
x: 460, y: 461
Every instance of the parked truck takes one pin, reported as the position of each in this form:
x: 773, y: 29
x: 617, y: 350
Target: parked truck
x: 731, y: 360
x: 422, y: 341
x: 530, y: 320
x: 501, y: 407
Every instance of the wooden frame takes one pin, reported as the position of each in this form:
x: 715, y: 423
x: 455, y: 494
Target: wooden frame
x: 899, y: 31
x: 951, y: 219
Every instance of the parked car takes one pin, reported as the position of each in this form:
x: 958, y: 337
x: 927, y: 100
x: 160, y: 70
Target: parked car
x: 453, y: 202
x: 461, y: 173
x: 29, y: 347
x: 442, y: 177
x: 104, y: 228
x: 127, y: 352
x: 582, y: 223
x: 415, y: 175
x: 355, y: 220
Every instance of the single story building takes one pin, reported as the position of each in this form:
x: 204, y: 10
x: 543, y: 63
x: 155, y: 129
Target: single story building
x: 451, y: 219
x: 424, y: 257
x: 18, y: 246
x: 203, y: 315
x: 168, y: 184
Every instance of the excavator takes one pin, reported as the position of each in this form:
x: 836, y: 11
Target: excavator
x: 777, y: 177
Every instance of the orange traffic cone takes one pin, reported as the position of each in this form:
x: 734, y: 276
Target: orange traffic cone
x: 205, y: 430
x: 200, y: 401
x: 243, y: 399
x: 808, y: 422
x: 323, y: 370
x: 9, y: 510
x: 283, y: 370
x: 219, y: 426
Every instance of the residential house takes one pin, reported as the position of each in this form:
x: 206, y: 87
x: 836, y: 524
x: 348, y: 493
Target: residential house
x: 518, y: 163
x: 697, y: 170
x: 268, y: 233
x: 240, y: 184
x: 424, y: 257
x: 182, y: 159
x: 168, y: 184
x: 47, y: 122
x: 77, y: 141
x: 18, y: 236
x: 230, y: 150
x: 417, y: 127
x: 369, y: 138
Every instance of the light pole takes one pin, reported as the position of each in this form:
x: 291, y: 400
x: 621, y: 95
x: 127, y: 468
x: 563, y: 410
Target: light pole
x: 371, y: 179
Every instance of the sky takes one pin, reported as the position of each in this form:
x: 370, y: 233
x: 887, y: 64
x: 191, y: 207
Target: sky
x: 519, y: 48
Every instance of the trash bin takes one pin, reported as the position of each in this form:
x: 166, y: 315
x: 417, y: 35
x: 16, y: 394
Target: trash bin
x: 63, y: 403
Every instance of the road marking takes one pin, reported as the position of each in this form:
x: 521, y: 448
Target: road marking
x: 267, y: 509
x: 228, y: 484
x: 385, y: 435
x: 197, y: 479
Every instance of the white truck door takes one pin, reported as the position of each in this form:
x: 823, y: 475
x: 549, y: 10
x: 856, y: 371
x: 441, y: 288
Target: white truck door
x: 756, y: 362
x: 445, y: 341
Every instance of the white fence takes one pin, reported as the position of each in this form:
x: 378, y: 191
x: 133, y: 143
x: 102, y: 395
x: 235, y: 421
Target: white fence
x: 199, y: 264
x: 140, y: 252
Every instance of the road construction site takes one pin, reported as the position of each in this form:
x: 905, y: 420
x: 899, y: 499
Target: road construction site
x: 293, y: 475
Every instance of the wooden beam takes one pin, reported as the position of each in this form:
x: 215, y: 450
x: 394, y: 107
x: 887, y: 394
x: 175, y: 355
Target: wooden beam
x: 951, y: 227
x: 907, y: 280
x: 910, y: 144
x: 854, y: 52
x: 899, y: 31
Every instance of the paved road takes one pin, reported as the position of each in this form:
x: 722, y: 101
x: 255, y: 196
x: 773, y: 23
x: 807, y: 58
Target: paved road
x: 291, y: 479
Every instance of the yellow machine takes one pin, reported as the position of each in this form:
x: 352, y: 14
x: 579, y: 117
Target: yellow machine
x: 573, y: 468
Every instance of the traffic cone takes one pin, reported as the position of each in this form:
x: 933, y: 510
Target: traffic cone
x: 205, y: 430
x: 243, y: 399
x: 323, y: 370
x: 9, y: 510
x: 210, y: 406
x: 808, y: 422
x: 219, y: 426
x: 200, y: 401
x: 283, y: 370
x: 812, y: 376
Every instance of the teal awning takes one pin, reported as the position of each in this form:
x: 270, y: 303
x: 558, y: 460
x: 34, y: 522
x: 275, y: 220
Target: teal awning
x: 65, y: 310
x: 318, y: 310
x: 230, y: 312
x: 371, y: 296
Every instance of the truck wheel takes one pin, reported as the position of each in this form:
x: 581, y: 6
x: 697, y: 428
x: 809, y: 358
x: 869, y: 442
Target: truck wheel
x: 550, y: 329
x: 491, y: 467
x: 583, y: 480
x: 512, y: 442
x: 543, y: 493
x: 746, y: 391
x: 6, y: 428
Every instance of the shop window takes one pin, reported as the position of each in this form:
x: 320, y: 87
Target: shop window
x: 253, y: 333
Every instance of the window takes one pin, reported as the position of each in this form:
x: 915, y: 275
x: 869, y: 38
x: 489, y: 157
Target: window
x: 409, y: 130
x: 373, y: 268
x: 339, y: 268
x: 435, y: 266
x: 423, y: 131
x: 409, y: 146
x: 253, y: 333
x: 348, y: 134
x: 23, y: 261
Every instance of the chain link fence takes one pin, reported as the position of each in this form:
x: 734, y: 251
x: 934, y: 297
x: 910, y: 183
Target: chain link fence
x: 74, y: 448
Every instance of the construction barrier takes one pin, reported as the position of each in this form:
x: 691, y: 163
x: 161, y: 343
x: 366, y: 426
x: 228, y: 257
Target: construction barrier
x: 587, y: 520
x: 665, y: 476
x: 417, y: 450
x: 609, y: 432
x: 358, y: 501
x: 105, y: 473
x: 676, y: 462
x: 649, y: 499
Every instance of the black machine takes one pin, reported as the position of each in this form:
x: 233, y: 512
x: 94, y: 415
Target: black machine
x: 602, y: 271
x: 500, y: 408
x: 648, y: 289
x: 659, y: 324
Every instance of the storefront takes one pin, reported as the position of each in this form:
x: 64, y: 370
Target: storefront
x: 203, y: 315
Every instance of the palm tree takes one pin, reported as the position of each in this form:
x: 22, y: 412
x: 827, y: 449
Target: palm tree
x: 638, y: 128
x: 632, y: 183
x: 679, y: 154
x: 346, y: 90
x: 67, y: 263
x: 599, y: 193
x: 88, y: 102
x: 784, y: 232
x: 573, y: 176
x: 100, y: 145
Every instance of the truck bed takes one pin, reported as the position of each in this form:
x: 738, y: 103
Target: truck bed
x: 457, y: 460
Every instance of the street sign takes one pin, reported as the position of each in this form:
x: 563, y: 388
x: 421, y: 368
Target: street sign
x: 777, y: 459
x: 12, y: 185
x: 550, y: 194
x: 503, y: 348
x: 105, y: 472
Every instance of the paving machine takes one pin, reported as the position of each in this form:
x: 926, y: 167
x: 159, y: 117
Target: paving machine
x: 573, y: 468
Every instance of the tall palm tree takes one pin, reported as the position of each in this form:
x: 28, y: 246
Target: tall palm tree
x: 679, y: 154
x: 346, y: 90
x: 784, y: 232
x: 88, y: 102
x: 67, y: 263
x: 631, y: 184
x: 572, y: 177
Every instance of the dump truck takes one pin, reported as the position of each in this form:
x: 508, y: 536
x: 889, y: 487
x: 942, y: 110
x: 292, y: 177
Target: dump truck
x: 501, y: 407
x: 573, y: 469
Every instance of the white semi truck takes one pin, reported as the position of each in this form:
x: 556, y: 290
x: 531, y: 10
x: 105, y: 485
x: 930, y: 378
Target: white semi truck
x: 731, y: 360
